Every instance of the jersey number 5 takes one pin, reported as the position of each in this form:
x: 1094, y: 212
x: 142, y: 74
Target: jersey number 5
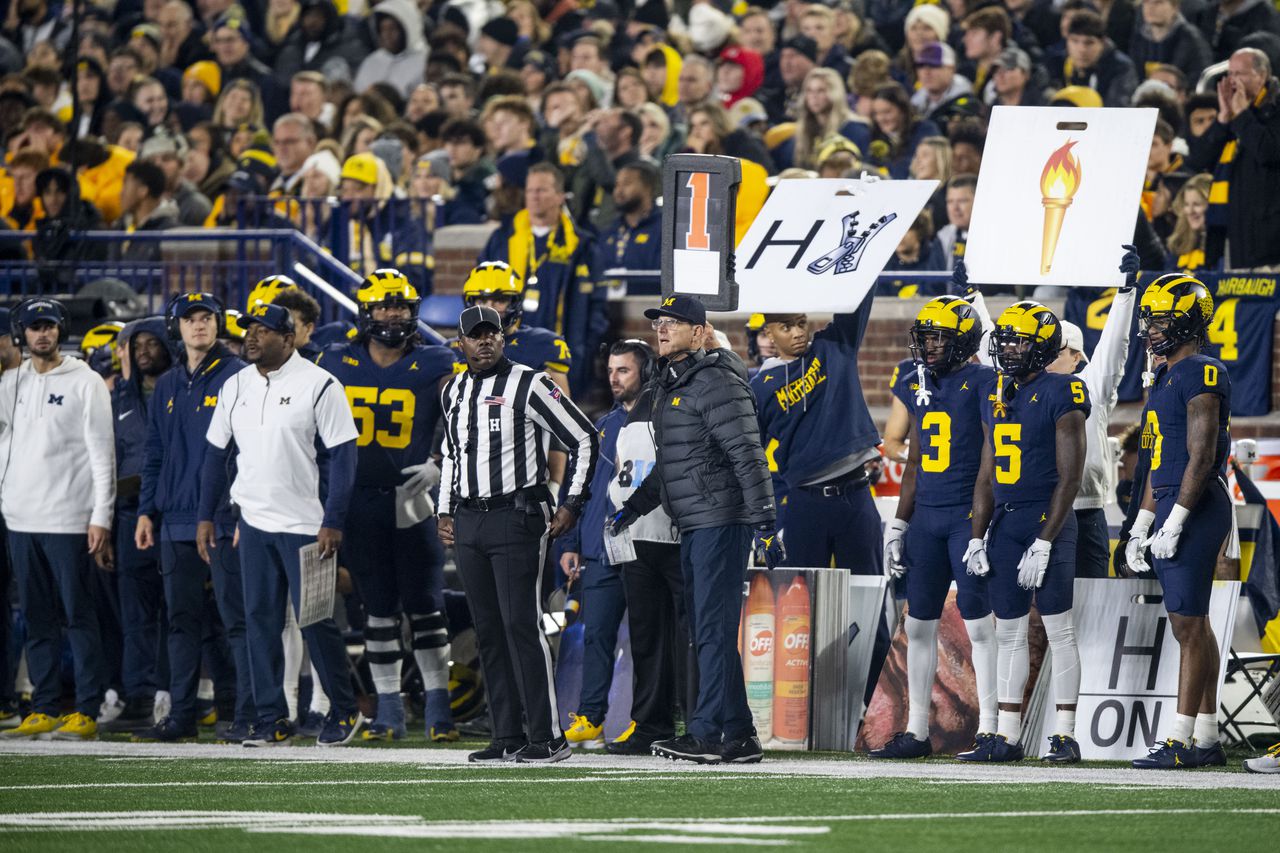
x: 402, y: 405
x: 1008, y: 454
x: 939, y: 441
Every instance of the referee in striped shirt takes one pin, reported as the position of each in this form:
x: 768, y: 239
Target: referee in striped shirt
x: 496, y: 510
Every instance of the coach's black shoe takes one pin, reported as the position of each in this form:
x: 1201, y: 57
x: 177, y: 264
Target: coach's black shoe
x: 497, y: 752
x: 634, y: 745
x: 995, y: 749
x: 904, y: 745
x: 745, y: 750
x: 547, y: 752
x: 169, y: 730
x: 138, y: 714
x: 687, y: 748
x: 1210, y: 756
x: 1170, y: 755
x: 1063, y: 750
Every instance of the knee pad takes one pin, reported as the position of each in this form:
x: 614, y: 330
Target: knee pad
x: 980, y: 630
x: 382, y: 639
x: 429, y: 630
x: 1060, y: 629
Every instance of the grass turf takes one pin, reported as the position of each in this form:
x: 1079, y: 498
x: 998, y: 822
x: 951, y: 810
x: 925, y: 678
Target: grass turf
x: 810, y: 811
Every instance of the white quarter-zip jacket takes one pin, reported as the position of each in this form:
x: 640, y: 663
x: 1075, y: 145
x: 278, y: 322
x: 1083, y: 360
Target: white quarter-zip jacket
x: 57, y: 449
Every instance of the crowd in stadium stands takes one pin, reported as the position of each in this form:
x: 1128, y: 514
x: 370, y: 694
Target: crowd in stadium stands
x: 425, y: 114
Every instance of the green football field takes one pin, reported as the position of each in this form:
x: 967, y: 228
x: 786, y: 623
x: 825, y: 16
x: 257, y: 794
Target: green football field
x: 115, y: 796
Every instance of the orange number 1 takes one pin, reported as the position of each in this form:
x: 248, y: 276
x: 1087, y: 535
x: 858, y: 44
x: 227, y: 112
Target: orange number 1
x: 698, y: 237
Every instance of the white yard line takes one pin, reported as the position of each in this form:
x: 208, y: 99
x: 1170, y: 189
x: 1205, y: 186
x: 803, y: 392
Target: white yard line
x: 597, y: 768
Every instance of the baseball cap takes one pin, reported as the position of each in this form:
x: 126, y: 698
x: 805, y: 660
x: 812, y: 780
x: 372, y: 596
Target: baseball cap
x: 476, y: 316
x: 1072, y: 337
x: 189, y: 302
x: 1014, y: 57
x: 275, y: 317
x: 162, y: 144
x: 687, y: 308
x: 41, y: 311
x: 936, y: 54
x: 361, y: 167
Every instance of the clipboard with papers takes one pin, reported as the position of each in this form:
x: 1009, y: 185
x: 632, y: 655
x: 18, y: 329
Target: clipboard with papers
x: 319, y: 585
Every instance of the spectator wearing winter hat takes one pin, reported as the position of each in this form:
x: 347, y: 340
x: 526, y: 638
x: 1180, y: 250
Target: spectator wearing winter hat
x: 709, y: 28
x: 797, y: 57
x: 925, y: 24
x: 939, y: 82
x: 255, y: 172
x: 497, y: 44
x: 201, y: 83
x: 739, y: 74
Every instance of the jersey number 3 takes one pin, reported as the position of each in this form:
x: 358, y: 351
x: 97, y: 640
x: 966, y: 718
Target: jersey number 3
x: 401, y: 404
x: 1008, y: 454
x: 937, y: 458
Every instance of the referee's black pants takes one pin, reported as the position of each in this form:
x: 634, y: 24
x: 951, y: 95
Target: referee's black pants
x: 500, y: 555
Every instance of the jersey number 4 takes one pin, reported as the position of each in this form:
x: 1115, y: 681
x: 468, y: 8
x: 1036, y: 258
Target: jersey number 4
x: 401, y: 405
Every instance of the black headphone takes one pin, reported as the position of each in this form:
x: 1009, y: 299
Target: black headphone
x: 173, y: 320
x: 642, y: 350
x: 18, y: 329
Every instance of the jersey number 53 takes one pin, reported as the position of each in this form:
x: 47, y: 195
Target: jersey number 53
x: 400, y: 405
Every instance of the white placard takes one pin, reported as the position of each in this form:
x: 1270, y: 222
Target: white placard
x: 1129, y: 665
x: 818, y: 245
x: 319, y: 581
x: 1058, y: 195
x: 696, y: 272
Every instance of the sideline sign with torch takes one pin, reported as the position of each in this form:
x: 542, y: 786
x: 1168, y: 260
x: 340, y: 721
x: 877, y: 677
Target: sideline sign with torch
x: 1058, y: 195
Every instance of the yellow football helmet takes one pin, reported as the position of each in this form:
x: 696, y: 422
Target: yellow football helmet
x: 102, y: 335
x: 235, y: 325
x: 1027, y: 338
x: 384, y: 287
x: 1181, y: 309
x: 959, y: 327
x: 754, y: 324
x: 496, y: 279
x: 268, y: 289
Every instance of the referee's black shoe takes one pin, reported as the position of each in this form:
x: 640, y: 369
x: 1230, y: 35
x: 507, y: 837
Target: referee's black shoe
x: 547, y: 752
x: 745, y: 750
x: 688, y: 748
x: 497, y: 752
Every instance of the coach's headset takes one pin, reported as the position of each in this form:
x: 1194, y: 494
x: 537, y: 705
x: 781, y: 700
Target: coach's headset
x: 641, y: 350
x: 43, y: 305
x: 180, y: 304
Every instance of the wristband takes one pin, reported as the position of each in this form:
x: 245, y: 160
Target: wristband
x: 1142, y: 523
x: 1177, y: 515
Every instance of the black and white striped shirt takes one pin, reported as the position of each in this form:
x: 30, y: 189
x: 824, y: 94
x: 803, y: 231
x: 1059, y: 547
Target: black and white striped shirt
x: 498, y: 430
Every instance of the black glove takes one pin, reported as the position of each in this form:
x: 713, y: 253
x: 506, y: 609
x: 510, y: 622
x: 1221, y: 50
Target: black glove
x: 1130, y: 264
x: 768, y: 546
x: 622, y: 519
x: 960, y: 280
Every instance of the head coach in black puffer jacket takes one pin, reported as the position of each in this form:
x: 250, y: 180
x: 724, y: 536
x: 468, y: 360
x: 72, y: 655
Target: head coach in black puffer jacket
x: 712, y: 479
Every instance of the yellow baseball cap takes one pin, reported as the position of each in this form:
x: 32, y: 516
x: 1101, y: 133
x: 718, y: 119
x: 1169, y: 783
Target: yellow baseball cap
x: 362, y: 168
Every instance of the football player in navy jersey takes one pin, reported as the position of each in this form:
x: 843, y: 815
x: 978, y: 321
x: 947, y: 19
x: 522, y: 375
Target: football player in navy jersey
x: 1185, y: 434
x: 1024, y: 530
x: 391, y: 548
x: 944, y: 394
x: 496, y: 285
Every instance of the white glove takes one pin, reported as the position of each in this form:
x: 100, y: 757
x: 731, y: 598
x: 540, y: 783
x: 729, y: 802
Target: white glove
x: 1165, y: 543
x: 975, y: 558
x: 1135, y: 550
x: 1033, y: 565
x: 894, y: 532
x: 422, y: 478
